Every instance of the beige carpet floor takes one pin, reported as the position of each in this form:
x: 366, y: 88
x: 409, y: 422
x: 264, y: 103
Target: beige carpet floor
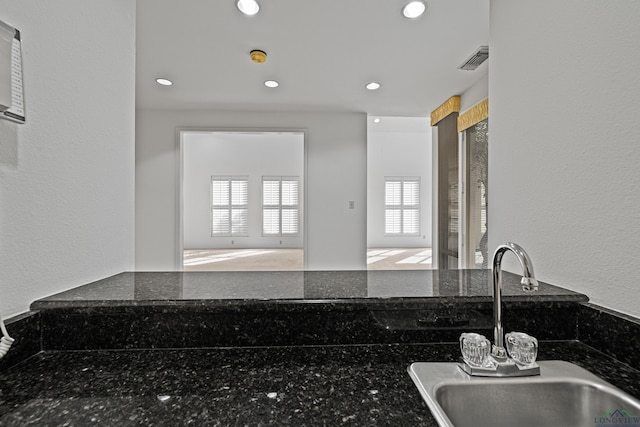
x: 293, y: 259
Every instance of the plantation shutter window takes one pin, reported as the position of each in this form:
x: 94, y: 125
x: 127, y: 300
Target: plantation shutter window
x: 280, y: 206
x: 229, y: 206
x: 402, y: 206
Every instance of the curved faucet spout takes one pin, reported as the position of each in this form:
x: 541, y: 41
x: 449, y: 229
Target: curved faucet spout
x: 529, y: 283
x: 519, y: 358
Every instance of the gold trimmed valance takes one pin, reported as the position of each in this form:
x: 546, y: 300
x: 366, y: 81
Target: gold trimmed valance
x: 451, y: 105
x: 473, y: 115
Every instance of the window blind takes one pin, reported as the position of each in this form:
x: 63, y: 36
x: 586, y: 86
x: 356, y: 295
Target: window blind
x: 402, y: 206
x: 229, y: 206
x: 280, y: 201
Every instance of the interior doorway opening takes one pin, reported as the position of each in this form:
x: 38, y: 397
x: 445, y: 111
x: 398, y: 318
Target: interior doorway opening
x: 242, y: 200
x: 399, y: 193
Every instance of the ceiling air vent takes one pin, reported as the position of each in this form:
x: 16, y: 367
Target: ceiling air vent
x: 476, y: 59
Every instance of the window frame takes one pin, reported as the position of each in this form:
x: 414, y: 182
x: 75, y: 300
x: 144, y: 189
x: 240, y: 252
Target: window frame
x: 402, y: 208
x: 230, y: 206
x: 280, y: 207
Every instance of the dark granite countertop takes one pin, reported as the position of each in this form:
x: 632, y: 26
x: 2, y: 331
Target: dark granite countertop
x: 274, y: 348
x: 215, y: 309
x: 318, y: 287
x: 324, y: 385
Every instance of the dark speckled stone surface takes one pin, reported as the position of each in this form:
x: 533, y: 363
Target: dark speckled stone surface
x: 613, y: 333
x: 25, y: 329
x: 207, y: 309
x: 232, y: 288
x: 290, y: 324
x: 291, y: 348
x: 344, y: 385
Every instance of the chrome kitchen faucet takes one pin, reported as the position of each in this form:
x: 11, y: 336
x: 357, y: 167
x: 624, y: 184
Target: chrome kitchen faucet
x: 519, y: 356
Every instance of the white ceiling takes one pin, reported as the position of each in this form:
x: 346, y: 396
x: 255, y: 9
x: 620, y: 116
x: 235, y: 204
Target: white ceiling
x: 323, y: 53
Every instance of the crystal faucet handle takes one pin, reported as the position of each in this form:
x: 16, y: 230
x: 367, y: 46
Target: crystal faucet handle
x: 522, y: 348
x: 475, y: 349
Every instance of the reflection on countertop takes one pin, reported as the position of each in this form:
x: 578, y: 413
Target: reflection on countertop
x: 152, y: 288
x: 204, y: 309
x: 278, y: 348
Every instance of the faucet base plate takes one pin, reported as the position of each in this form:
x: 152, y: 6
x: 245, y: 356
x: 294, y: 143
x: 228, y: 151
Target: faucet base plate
x: 501, y: 370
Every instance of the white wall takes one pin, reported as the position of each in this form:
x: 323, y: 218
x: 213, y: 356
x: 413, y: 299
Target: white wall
x: 336, y: 174
x: 67, y: 175
x: 475, y: 94
x: 253, y: 155
x: 564, y: 102
x: 398, y: 146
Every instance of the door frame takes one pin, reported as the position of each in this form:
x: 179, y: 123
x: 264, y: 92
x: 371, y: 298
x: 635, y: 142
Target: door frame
x: 179, y: 212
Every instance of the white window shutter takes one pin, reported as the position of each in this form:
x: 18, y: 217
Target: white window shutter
x: 280, y: 201
x: 402, y: 206
x: 229, y: 206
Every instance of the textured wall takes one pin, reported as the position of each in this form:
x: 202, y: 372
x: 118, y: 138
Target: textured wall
x: 67, y: 175
x: 563, y: 156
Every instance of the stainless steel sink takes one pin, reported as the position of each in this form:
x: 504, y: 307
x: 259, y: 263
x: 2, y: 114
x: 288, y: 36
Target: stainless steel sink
x: 562, y: 395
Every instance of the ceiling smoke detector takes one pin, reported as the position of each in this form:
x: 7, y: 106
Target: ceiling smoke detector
x: 258, y: 56
x: 476, y: 59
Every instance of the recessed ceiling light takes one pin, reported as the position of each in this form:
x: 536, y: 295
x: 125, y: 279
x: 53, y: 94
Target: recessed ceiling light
x: 376, y: 120
x: 271, y: 83
x: 414, y: 9
x: 164, y: 82
x: 373, y: 86
x: 248, y: 7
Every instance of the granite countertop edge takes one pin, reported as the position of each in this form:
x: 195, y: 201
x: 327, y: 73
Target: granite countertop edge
x: 373, y: 303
